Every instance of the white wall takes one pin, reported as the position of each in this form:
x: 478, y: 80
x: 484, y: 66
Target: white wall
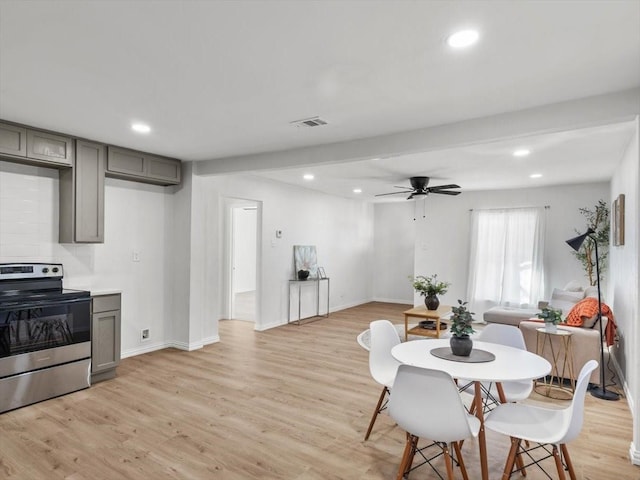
x: 341, y: 230
x: 135, y: 217
x: 624, y: 283
x: 441, y: 241
x: 394, y: 245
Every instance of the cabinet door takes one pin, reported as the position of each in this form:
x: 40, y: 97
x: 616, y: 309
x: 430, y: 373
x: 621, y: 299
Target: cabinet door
x: 13, y: 140
x: 52, y: 148
x: 126, y: 162
x: 105, y: 341
x: 89, y: 197
x: 164, y: 169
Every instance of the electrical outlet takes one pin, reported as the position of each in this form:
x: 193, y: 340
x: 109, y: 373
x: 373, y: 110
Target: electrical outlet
x: 135, y: 256
x: 144, y: 334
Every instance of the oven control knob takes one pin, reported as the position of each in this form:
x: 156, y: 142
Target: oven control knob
x: 45, y: 270
x: 54, y: 269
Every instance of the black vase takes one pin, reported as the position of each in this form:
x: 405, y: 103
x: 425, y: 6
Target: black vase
x: 431, y: 302
x: 303, y: 274
x: 461, y: 346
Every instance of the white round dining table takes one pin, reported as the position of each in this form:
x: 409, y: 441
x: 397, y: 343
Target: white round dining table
x: 510, y: 364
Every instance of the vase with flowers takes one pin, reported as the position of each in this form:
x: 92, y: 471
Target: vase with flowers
x: 430, y: 287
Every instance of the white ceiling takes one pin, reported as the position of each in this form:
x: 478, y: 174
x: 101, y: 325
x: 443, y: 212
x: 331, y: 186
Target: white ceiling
x: 221, y: 79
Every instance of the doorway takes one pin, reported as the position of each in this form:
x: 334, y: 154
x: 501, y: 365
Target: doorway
x: 243, y: 283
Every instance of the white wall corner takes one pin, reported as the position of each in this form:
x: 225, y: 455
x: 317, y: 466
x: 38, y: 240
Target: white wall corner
x: 634, y: 454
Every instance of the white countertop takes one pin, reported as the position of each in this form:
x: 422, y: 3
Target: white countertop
x: 97, y: 293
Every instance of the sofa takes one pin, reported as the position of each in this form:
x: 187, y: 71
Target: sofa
x: 585, y: 340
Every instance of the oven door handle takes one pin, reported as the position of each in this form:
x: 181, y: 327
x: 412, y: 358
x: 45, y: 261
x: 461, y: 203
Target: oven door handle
x: 42, y: 304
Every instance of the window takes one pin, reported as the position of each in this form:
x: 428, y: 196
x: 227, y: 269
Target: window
x: 506, y: 257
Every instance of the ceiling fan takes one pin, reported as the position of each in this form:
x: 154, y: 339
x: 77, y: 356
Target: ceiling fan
x: 419, y: 188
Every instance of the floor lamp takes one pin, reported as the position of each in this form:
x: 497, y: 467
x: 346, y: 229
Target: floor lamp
x: 601, y: 391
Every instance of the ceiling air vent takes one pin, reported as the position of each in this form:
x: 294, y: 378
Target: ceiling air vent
x: 309, y: 122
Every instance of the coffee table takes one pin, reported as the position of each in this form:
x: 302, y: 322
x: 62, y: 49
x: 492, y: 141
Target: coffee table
x: 422, y: 313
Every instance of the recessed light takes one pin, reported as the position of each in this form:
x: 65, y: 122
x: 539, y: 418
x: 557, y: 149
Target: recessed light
x: 521, y: 152
x: 463, y: 38
x: 535, y: 175
x: 140, y: 128
x: 308, y: 176
x: 357, y: 190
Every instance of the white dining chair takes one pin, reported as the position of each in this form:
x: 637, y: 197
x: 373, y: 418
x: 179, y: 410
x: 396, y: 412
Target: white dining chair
x: 544, y: 426
x: 426, y: 404
x: 514, y: 391
x: 382, y: 365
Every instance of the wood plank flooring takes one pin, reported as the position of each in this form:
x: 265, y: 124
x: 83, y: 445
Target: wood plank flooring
x: 290, y: 403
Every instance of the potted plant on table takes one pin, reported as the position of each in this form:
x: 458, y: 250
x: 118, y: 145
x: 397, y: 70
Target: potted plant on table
x: 460, y: 342
x: 552, y: 317
x: 430, y: 287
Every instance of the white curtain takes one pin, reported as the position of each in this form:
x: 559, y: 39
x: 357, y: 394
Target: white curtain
x: 506, y: 257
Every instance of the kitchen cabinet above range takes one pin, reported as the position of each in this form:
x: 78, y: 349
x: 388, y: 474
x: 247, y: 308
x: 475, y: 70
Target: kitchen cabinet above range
x: 142, y: 167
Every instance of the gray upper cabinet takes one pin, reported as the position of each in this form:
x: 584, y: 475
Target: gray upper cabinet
x: 142, y: 167
x: 82, y: 195
x: 49, y: 147
x: 13, y: 140
x: 35, y: 147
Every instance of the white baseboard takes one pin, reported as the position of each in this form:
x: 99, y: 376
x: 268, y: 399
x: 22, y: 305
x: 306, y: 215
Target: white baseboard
x: 393, y: 300
x: 159, y: 346
x: 143, y: 349
x: 210, y: 340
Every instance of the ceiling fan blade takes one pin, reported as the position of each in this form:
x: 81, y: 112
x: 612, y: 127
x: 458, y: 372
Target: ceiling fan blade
x: 443, y: 187
x: 391, y: 193
x: 446, y: 192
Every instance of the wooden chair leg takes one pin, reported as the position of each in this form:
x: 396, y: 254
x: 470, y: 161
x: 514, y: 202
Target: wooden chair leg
x: 463, y: 469
x: 559, y: 466
x: 567, y: 460
x: 407, y: 456
x: 448, y: 462
x: 376, y: 412
x: 508, y: 468
x: 412, y: 454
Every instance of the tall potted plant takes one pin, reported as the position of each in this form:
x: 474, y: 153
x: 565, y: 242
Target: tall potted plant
x: 460, y: 342
x: 598, y: 220
x: 430, y: 287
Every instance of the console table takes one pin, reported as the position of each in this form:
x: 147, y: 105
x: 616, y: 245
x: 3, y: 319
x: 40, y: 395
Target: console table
x: 299, y: 283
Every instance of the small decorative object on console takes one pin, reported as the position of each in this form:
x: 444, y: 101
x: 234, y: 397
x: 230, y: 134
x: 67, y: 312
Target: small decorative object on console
x: 460, y: 342
x: 303, y: 274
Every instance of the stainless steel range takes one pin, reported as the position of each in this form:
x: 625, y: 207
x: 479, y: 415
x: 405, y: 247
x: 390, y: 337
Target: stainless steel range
x: 45, y: 335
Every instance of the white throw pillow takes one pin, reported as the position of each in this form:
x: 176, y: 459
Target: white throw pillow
x: 591, y: 292
x: 573, y: 286
x: 564, y: 300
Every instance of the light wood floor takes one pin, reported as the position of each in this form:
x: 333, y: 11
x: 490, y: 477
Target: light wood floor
x: 289, y: 403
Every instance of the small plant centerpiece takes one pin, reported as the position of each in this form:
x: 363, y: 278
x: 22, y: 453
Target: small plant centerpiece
x: 460, y: 342
x: 551, y: 316
x: 430, y: 287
